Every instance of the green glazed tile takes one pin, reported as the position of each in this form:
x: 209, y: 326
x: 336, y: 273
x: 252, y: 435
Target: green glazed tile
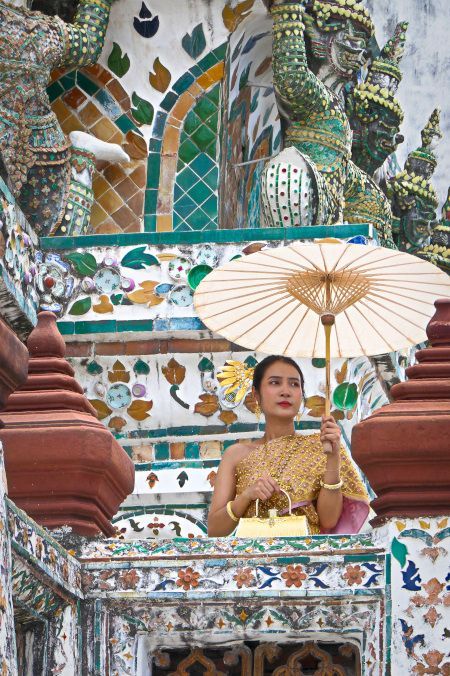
x: 108, y: 102
x: 196, y: 71
x: 214, y: 94
x: 198, y: 220
x: 205, y: 108
x: 220, y: 52
x: 210, y: 206
x: 162, y: 451
x: 68, y: 80
x: 207, y: 61
x: 192, y: 450
x: 105, y: 326
x: 149, y: 224
x: 203, y: 137
x: 66, y: 328
x: 155, y: 145
x: 186, y: 179
x: 86, y: 84
x: 151, y: 198
x: 180, y: 225
x: 212, y: 178
x: 185, y: 206
x: 169, y: 101
x: 191, y: 123
x: 54, y: 90
x: 159, y: 124
x: 124, y: 123
x: 133, y: 325
x: 199, y: 192
x: 202, y: 164
x: 183, y: 83
x: 187, y: 151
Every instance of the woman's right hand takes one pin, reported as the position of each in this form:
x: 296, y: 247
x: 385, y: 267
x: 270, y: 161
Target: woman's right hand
x: 262, y: 489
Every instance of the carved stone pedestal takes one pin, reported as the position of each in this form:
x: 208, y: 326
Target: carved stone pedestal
x: 63, y: 466
x: 404, y: 448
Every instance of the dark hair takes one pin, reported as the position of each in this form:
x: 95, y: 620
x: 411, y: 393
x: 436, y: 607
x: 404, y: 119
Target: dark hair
x: 261, y: 368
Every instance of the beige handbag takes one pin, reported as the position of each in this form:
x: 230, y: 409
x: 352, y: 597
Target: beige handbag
x: 273, y: 525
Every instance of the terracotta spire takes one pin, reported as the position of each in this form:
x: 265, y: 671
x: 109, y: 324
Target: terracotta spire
x: 63, y: 466
x: 404, y: 447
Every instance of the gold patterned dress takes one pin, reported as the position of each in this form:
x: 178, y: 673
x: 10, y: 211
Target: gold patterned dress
x: 297, y: 463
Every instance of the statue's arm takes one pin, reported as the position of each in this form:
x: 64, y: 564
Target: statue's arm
x: 84, y: 38
x: 295, y: 84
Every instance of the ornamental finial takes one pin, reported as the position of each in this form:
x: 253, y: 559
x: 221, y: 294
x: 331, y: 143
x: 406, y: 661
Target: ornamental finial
x: 432, y: 133
x: 394, y: 48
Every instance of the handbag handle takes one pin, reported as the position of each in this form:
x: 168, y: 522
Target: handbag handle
x: 289, y: 500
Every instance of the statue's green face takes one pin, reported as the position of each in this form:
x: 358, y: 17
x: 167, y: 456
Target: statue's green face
x: 419, y: 221
x: 347, y: 48
x: 342, y: 45
x: 376, y: 140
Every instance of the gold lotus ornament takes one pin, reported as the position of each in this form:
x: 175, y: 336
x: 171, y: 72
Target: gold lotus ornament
x: 236, y: 377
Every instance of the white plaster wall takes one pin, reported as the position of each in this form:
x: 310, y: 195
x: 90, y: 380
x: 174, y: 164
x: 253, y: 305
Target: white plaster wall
x: 426, y: 67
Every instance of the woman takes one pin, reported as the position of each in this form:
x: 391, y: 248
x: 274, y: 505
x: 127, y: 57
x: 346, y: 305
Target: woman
x: 324, y: 487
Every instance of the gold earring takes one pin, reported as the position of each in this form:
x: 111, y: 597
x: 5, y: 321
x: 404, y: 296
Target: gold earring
x: 257, y: 411
x: 298, y: 417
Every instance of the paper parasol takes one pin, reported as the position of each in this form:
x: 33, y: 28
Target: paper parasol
x: 370, y: 301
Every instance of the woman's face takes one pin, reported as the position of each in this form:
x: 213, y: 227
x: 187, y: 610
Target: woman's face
x: 280, y: 394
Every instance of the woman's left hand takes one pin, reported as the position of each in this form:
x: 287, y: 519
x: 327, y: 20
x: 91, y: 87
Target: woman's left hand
x: 330, y: 431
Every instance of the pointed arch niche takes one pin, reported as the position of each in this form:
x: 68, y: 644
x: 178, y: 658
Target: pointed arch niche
x: 183, y: 164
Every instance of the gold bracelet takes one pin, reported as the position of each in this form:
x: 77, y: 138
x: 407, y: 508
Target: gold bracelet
x: 230, y: 512
x: 331, y: 487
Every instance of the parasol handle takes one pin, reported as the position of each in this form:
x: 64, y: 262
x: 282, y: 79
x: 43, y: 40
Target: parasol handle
x: 327, y: 321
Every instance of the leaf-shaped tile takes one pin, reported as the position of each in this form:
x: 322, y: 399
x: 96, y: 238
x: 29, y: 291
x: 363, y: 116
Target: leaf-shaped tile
x: 205, y: 365
x: 244, y: 76
x: 139, y: 409
x: 141, y: 368
x: 208, y: 405
x: 103, y: 410
x: 138, y: 259
x: 228, y: 417
x: 143, y: 110
x: 119, y: 373
x: 94, y: 368
x: 251, y: 42
x: 263, y: 66
x: 174, y: 372
x: 341, y: 374
x: 194, y: 43
x: 104, y: 306
x: 237, y: 49
x: 232, y: 17
x: 399, y: 551
x: 145, y: 294
x: 145, y: 25
x: 83, y: 262
x: 80, y: 307
x: 118, y: 63
x: 161, y: 77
